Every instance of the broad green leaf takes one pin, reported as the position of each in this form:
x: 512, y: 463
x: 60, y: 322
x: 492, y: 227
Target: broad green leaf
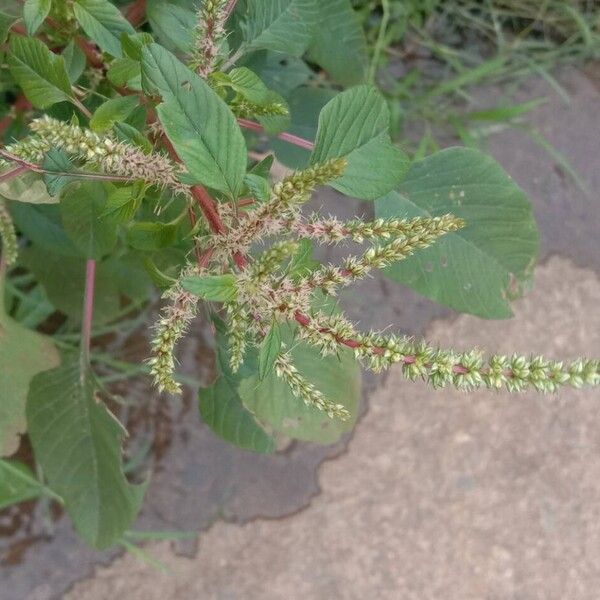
x: 17, y: 483
x: 150, y: 235
x: 270, y: 349
x: 279, y: 25
x: 113, y: 111
x: 215, y: 288
x: 29, y: 188
x: 279, y: 72
x: 221, y: 407
x: 77, y: 442
x: 80, y: 207
x: 23, y: 353
x: 63, y: 279
x: 271, y: 400
x: 41, y: 74
x: 339, y: 45
x: 133, y: 43
x: 103, y: 23
x: 173, y: 25
x: 200, y: 125
x: 41, y: 224
x: 355, y: 125
x: 74, y: 61
x: 34, y: 14
x: 57, y: 165
x: 476, y: 269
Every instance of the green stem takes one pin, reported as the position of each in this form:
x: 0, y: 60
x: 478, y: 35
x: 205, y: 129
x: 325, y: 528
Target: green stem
x: 379, y: 44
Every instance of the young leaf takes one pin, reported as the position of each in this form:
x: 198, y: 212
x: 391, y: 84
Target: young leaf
x: 74, y: 61
x: 103, y: 23
x: 339, y: 45
x: 57, y: 163
x: 34, y: 14
x: 214, y: 288
x: 221, y: 407
x: 149, y: 235
x: 80, y: 208
x: 355, y: 125
x: 257, y: 186
x: 125, y: 72
x: 80, y: 453
x: 272, y: 402
x: 41, y: 74
x: 248, y: 84
x: 476, y: 269
x: 112, y: 111
x: 122, y: 204
x: 280, y: 25
x: 17, y: 483
x: 199, y: 124
x: 269, y: 351
x: 23, y: 354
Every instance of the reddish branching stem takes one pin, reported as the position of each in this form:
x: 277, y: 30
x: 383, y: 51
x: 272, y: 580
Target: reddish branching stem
x: 286, y: 137
x: 88, y: 312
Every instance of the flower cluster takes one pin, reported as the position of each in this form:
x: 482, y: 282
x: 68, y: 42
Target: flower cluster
x: 277, y: 286
x: 104, y: 152
x: 245, y: 109
x: 306, y: 391
x: 171, y: 327
x: 210, y: 33
x: 8, y: 236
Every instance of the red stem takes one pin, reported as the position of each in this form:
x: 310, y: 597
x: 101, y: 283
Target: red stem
x: 286, y: 137
x: 230, y: 8
x: 136, y: 12
x: 10, y: 174
x: 88, y: 312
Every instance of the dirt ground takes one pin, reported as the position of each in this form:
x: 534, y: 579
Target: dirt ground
x: 440, y: 495
x: 437, y: 495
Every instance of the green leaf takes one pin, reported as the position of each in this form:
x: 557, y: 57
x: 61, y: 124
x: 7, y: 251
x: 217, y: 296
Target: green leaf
x: 81, y: 206
x: 280, y: 25
x: 476, y: 269
x: 41, y: 74
x: 258, y: 187
x: 214, y: 288
x: 150, y: 235
x: 173, y: 25
x: 113, y: 111
x: 17, y: 483
x: 221, y: 407
x: 57, y: 163
x: 63, y: 279
x: 270, y: 349
x: 271, y: 400
x: 34, y: 14
x: 122, y: 204
x: 199, y: 124
x: 41, y: 225
x: 6, y: 22
x: 74, y: 61
x: 355, y: 125
x: 249, y: 85
x: 28, y: 188
x: 279, y: 72
x: 103, y: 23
x: 305, y: 105
x: 125, y: 72
x: 23, y: 354
x: 339, y: 44
x: 77, y: 442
